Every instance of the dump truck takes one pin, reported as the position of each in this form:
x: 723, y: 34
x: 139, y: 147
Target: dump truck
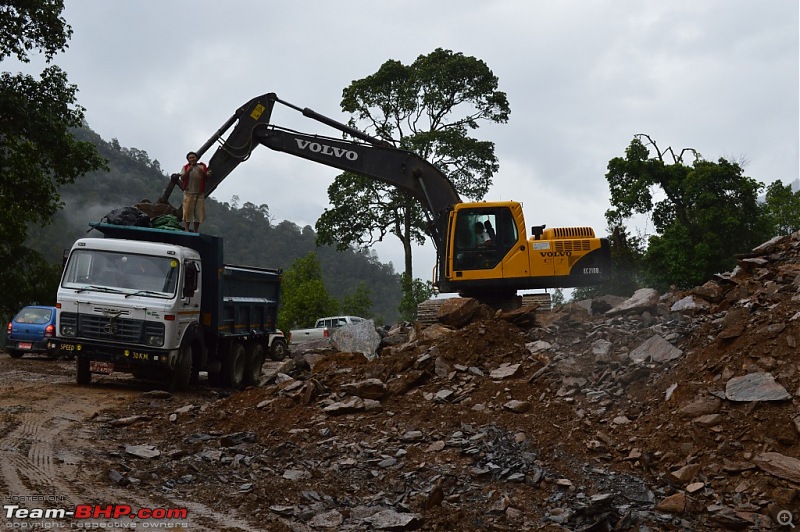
x: 163, y: 304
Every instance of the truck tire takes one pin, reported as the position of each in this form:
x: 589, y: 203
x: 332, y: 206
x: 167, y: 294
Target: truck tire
x: 253, y: 362
x: 279, y: 349
x: 182, y: 374
x: 82, y: 374
x: 233, y: 368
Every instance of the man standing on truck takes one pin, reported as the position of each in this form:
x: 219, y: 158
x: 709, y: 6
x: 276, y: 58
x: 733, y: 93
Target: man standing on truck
x: 193, y: 183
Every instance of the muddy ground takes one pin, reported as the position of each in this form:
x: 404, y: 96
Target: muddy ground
x: 677, y: 412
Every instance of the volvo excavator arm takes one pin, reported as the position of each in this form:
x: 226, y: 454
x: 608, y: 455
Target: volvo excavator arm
x: 368, y: 156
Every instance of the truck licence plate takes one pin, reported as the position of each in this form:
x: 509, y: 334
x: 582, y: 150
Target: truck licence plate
x: 24, y: 345
x: 105, y: 368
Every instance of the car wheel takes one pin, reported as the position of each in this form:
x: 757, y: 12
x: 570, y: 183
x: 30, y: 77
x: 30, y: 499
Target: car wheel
x: 279, y: 349
x: 13, y: 353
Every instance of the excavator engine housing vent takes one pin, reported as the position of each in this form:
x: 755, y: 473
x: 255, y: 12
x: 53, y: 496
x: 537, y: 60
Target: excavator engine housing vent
x: 568, y: 233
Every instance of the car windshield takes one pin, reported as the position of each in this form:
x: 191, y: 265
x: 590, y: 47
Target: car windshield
x: 127, y: 273
x: 38, y: 316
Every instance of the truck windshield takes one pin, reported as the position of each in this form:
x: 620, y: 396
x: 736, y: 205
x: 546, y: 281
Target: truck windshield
x: 127, y: 273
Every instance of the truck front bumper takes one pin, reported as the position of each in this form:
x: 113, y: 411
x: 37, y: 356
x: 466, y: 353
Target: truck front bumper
x: 118, y: 358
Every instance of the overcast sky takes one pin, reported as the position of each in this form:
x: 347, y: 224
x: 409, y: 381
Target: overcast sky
x: 582, y: 78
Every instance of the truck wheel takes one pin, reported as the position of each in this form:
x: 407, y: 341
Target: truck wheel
x: 13, y: 353
x: 233, y: 368
x: 182, y: 374
x: 82, y: 373
x: 279, y: 349
x: 253, y: 362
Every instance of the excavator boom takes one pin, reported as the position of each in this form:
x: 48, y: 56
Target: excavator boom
x: 370, y: 157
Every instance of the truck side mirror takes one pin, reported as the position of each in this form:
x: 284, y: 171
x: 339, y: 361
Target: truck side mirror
x: 192, y: 276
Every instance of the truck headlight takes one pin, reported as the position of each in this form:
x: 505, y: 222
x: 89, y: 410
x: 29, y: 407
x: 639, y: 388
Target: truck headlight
x: 154, y: 333
x: 67, y: 330
x: 154, y: 340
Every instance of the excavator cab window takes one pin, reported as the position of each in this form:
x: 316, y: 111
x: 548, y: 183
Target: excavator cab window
x: 482, y: 237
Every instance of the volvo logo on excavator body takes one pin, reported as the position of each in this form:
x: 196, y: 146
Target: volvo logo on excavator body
x: 555, y: 253
x: 325, y: 149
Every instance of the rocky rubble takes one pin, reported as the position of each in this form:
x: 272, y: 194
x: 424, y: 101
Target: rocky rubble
x: 674, y: 411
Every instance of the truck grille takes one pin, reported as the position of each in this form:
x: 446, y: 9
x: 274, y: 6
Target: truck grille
x: 112, y: 329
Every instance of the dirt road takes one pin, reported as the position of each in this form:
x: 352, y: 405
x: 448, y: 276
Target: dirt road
x: 52, y: 464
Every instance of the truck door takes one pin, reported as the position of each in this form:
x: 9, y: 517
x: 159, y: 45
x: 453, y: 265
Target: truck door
x: 190, y: 293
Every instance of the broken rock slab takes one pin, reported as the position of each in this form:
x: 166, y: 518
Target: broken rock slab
x: 392, y: 520
x: 358, y: 337
x: 642, y: 299
x: 351, y: 405
x: 655, y: 349
x: 457, y: 311
x: 143, y: 451
x: 366, y: 389
x: 779, y: 465
x: 734, y: 324
x: 690, y: 304
x: 755, y: 387
x: 505, y: 371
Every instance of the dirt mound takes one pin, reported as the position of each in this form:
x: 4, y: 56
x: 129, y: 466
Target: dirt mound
x: 669, y: 411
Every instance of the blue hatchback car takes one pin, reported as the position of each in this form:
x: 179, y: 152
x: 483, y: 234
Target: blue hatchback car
x: 32, y: 330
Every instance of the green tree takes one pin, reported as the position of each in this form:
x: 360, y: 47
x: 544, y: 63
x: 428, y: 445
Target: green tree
x: 38, y: 152
x: 782, y: 209
x: 414, y: 292
x: 304, y: 297
x: 557, y: 297
x: 359, y: 303
x: 429, y: 107
x: 29, y: 280
x: 708, y: 212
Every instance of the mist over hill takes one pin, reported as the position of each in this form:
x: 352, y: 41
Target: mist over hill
x: 250, y: 234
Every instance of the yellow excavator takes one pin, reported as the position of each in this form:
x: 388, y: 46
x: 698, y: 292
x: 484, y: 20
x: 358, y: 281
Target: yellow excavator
x: 483, y: 248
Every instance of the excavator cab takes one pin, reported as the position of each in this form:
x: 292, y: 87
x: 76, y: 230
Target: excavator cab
x: 483, y: 237
x: 489, y: 253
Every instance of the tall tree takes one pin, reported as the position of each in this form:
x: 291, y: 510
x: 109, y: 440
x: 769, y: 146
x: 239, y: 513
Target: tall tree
x: 415, y: 291
x: 782, y: 209
x: 304, y: 297
x: 358, y: 303
x: 38, y: 151
x: 429, y: 107
x: 707, y: 212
